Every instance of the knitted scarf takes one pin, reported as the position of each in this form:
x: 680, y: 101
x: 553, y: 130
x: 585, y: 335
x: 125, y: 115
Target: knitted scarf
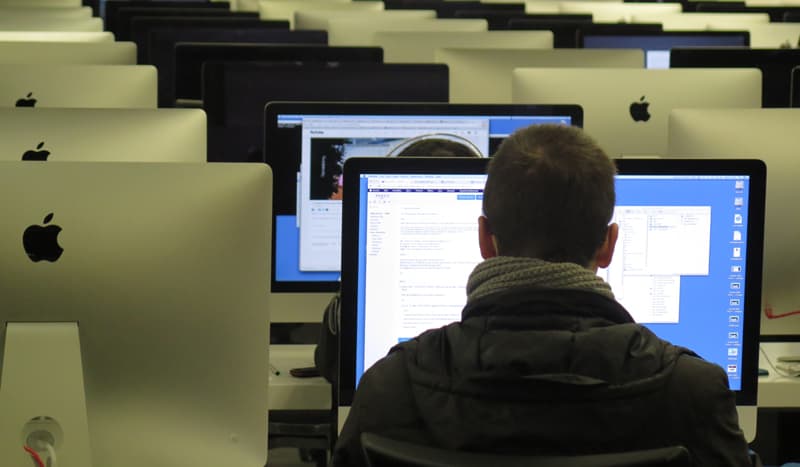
x: 505, y: 272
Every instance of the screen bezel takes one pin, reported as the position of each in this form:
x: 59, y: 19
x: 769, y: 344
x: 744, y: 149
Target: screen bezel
x: 274, y: 109
x: 756, y: 169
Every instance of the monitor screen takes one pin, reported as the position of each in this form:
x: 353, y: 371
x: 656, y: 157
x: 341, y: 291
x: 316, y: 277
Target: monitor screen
x: 775, y: 65
x: 235, y: 93
x: 190, y: 56
x: 687, y: 263
x: 308, y: 144
x: 657, y: 46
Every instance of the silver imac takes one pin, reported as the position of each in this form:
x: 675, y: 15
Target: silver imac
x: 139, y: 294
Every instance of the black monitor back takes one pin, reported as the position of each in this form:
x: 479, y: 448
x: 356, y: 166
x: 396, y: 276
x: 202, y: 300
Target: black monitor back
x: 499, y: 20
x: 190, y: 56
x: 111, y: 8
x: 125, y: 16
x: 162, y: 42
x: 142, y: 28
x: 235, y: 94
x: 775, y: 64
x: 447, y: 9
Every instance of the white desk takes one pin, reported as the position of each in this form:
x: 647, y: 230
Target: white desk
x: 774, y: 390
x: 289, y: 393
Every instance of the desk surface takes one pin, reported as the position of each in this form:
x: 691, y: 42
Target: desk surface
x: 289, y: 393
x: 776, y: 390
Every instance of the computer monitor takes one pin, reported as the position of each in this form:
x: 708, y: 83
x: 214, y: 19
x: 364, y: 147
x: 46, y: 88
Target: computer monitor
x: 320, y: 18
x: 775, y: 65
x: 80, y: 86
x: 83, y: 53
x: 190, y: 56
x: 351, y: 31
x: 137, y: 291
x: 43, y: 23
x: 126, y: 16
x: 79, y: 12
x: 499, y: 20
x: 484, y: 75
x: 144, y: 28
x: 684, y: 267
x: 307, y: 223
x: 235, y: 93
x: 51, y: 36
x: 771, y: 135
x: 611, y: 12
x: 565, y: 33
x: 285, y: 9
x: 693, y: 21
x: 41, y: 3
x: 657, y: 46
x: 626, y: 110
x: 774, y: 35
x: 111, y: 7
x: 110, y: 135
x: 163, y: 42
x: 420, y: 46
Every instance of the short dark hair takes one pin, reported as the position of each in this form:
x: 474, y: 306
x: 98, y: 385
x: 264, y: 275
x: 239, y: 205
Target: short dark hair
x: 550, y: 194
x: 438, y: 147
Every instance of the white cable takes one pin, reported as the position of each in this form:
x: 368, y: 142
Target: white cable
x: 51, y: 455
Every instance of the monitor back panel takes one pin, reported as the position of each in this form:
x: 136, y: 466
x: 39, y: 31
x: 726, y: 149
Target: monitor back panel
x: 775, y: 66
x: 78, y: 86
x: 484, y: 75
x: 189, y: 58
x: 235, y: 93
x: 165, y: 266
x: 626, y: 111
x: 772, y: 135
x: 107, y: 135
x: 76, y: 53
x: 657, y: 46
x: 420, y: 46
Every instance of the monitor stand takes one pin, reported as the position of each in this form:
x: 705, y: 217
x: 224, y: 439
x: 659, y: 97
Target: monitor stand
x: 42, y: 395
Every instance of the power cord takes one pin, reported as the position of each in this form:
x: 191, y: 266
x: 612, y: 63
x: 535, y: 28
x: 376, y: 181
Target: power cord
x: 35, y: 455
x: 51, y: 454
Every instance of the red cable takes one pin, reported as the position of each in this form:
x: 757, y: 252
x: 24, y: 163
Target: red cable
x: 771, y: 315
x: 35, y: 456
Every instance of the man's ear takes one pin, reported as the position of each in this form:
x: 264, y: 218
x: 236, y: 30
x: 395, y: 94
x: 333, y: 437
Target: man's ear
x: 606, y: 251
x: 486, y: 239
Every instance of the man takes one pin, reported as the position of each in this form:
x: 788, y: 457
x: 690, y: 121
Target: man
x: 544, y: 360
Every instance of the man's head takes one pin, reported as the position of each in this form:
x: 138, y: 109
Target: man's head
x: 550, y: 195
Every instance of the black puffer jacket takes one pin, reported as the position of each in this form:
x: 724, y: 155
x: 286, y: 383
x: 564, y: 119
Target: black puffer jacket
x: 546, y: 371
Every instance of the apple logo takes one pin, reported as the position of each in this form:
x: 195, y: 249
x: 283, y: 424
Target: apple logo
x: 41, y: 241
x: 26, y: 101
x: 639, y: 111
x: 36, y: 155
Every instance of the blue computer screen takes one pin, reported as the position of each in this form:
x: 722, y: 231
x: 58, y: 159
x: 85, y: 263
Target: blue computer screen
x: 312, y: 253
x: 679, y: 264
